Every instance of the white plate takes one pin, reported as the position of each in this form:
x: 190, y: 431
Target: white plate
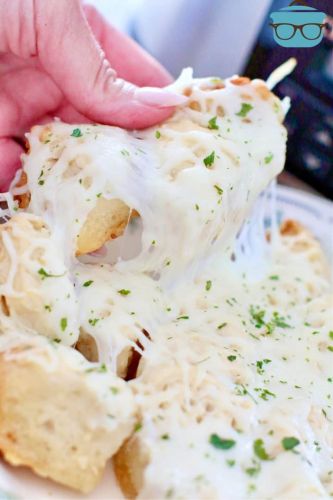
x: 313, y: 212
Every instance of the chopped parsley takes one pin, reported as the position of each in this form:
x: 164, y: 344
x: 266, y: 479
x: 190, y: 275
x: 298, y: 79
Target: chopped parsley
x: 157, y: 134
x: 76, y: 133
x: 259, y: 450
x: 63, y: 324
x: 114, y: 390
x: 245, y: 109
x: 197, y: 206
x: 124, y: 152
x: 212, y: 125
x: 275, y: 277
x: 93, y: 322
x: 99, y: 369
x: 258, y: 318
x: 138, y: 427
x: 209, y: 160
x: 230, y: 462
x: 330, y: 348
x: 232, y: 357
x: 88, y: 283
x: 183, y: 317
x: 221, y: 444
x: 208, y: 285
x: 265, y: 393
x: 218, y: 189
x: 165, y: 437
x: 289, y: 443
x: 269, y: 158
x: 123, y: 291
x: 45, y: 274
x: 330, y: 334
x: 222, y: 325
x: 48, y: 308
x: 254, y: 470
x: 260, y: 365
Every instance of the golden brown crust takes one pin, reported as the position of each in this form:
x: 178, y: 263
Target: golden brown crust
x: 46, y: 418
x: 108, y: 220
x: 23, y: 199
x: 290, y: 227
x: 129, y: 465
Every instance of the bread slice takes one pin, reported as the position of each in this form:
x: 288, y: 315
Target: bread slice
x: 60, y: 415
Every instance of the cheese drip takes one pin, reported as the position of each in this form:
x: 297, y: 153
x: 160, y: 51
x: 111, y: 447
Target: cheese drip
x: 234, y: 386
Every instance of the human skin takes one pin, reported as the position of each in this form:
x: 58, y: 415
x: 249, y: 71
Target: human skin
x: 58, y: 58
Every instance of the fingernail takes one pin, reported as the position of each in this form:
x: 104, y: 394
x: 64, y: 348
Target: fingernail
x: 159, y: 97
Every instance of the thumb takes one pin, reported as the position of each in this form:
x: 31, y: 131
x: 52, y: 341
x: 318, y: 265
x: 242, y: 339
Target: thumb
x: 71, y: 55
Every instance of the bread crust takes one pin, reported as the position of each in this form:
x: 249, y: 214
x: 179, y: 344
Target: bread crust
x: 53, y: 421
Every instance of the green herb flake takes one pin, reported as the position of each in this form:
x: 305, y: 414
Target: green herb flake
x: 76, y: 133
x: 221, y: 444
x: 209, y: 160
x: 157, y: 134
x: 275, y: 277
x: 88, y: 283
x: 268, y: 158
x: 63, y: 324
x: 138, y: 427
x: 259, y: 450
x: 330, y: 334
x: 245, y: 109
x: 123, y: 291
x: 45, y: 274
x: 197, y: 207
x: 330, y: 348
x: 93, y: 322
x: 208, y: 285
x: 114, y: 390
x: 265, y: 393
x: 124, y: 152
x: 41, y: 182
x: 254, y: 470
x: 260, y: 365
x: 289, y: 443
x: 232, y: 358
x: 183, y: 317
x: 230, y: 462
x: 222, y: 325
x: 218, y: 189
x: 212, y: 125
x: 48, y: 308
x: 165, y: 437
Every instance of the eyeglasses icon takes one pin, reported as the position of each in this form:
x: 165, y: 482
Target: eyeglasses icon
x: 310, y: 31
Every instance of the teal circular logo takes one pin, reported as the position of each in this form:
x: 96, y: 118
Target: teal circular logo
x: 298, y: 26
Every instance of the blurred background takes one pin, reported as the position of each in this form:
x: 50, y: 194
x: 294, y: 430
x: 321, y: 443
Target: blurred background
x: 225, y: 37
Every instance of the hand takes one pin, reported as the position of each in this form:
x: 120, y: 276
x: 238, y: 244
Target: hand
x: 52, y: 64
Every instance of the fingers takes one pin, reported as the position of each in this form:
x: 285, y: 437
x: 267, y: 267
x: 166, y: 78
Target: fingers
x: 69, y: 52
x: 26, y: 94
x: 17, y: 30
x: 10, y: 161
x: 129, y: 60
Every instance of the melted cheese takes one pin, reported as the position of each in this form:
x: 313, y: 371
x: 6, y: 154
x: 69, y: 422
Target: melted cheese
x: 239, y: 353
